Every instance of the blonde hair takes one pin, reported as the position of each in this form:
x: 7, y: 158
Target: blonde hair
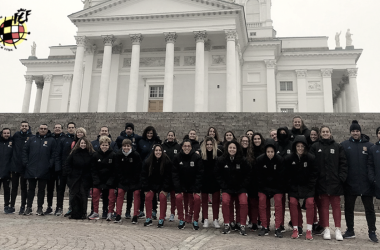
x: 80, y: 130
x: 214, y: 148
x: 104, y: 139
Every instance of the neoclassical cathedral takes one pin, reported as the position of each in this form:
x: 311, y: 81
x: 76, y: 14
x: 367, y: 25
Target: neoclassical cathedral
x: 190, y: 56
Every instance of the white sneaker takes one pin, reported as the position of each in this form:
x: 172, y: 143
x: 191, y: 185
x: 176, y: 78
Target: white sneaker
x: 326, y: 234
x: 205, y: 223
x: 171, y: 218
x: 338, y: 235
x: 216, y: 224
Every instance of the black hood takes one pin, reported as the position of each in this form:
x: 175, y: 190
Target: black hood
x: 299, y: 138
x: 270, y: 143
x: 281, y: 140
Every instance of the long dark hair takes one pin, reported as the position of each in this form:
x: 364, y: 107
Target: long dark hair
x: 239, y: 152
x: 262, y: 145
x: 164, y: 158
x: 224, y: 137
x: 155, y: 136
x: 216, y: 134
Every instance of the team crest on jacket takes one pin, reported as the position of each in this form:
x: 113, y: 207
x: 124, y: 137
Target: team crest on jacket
x: 237, y: 166
x: 191, y: 164
x: 10, y: 143
x: 122, y: 159
x: 275, y: 167
x: 109, y: 160
x: 305, y: 164
x: 175, y: 151
x: 45, y: 143
x: 332, y: 151
x: 288, y: 151
x: 133, y: 140
x: 130, y: 159
x: 364, y: 148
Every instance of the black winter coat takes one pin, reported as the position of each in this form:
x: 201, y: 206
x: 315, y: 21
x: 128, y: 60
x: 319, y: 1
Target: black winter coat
x: 78, y: 167
x: 332, y: 167
x: 374, y: 168
x: 19, y: 140
x: 284, y: 147
x: 210, y: 184
x: 128, y: 171
x: 145, y: 147
x: 103, y: 169
x: 171, y: 149
x: 294, y: 132
x: 357, y: 182
x: 270, y: 175
x: 233, y: 176
x: 187, y: 172
x: 133, y: 137
x: 6, y: 151
x: 63, y: 152
x: 38, y: 156
x: 156, y: 181
x: 96, y: 146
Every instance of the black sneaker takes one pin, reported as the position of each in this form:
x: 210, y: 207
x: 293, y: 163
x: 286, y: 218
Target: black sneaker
x: 282, y: 228
x: 128, y: 214
x: 195, y: 225
x: 69, y: 213
x: 104, y: 214
x: 300, y: 231
x: 154, y: 215
x: 317, y: 229
x: 84, y: 216
x: 40, y: 212
x: 117, y: 219
x: 242, y: 231
x: 49, y: 211
x: 181, y: 224
x: 11, y: 210
x: 58, y: 212
x: 349, y: 234
x: 28, y: 211
x: 160, y: 224
x: 141, y: 215
x: 263, y: 232
x: 227, y: 229
x: 278, y: 233
x: 148, y: 222
x: 232, y: 225
x: 254, y: 227
x: 134, y: 219
x: 372, y: 237
x: 6, y: 209
x: 22, y: 210
x: 259, y: 226
x: 237, y: 227
x: 290, y: 224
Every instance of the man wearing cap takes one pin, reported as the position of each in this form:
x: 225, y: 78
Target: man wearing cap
x: 358, y: 184
x: 128, y: 133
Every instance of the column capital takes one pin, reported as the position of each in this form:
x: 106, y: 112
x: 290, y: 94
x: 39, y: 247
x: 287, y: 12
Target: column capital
x: 108, y: 40
x: 28, y: 78
x: 231, y: 35
x: 352, y: 73
x: 136, y: 38
x: 48, y: 78
x: 170, y: 37
x: 67, y: 78
x: 81, y: 41
x: 301, y: 73
x: 117, y: 49
x: 90, y: 49
x: 200, y: 36
x: 271, y: 64
x: 326, y: 72
x: 40, y: 85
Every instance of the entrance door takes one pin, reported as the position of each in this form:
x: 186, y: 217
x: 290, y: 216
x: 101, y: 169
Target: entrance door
x: 156, y: 99
x: 155, y: 105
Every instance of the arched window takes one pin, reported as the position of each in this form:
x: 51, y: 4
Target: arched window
x: 252, y: 11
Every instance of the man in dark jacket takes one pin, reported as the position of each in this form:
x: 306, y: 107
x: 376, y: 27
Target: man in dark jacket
x: 104, y: 131
x: 128, y: 133
x: 358, y: 183
x: 5, y: 166
x: 18, y: 141
x: 63, y: 152
x: 38, y: 158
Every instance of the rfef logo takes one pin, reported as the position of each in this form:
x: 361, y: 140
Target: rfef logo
x: 13, y: 30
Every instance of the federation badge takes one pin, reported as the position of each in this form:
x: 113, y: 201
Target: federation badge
x: 332, y: 151
x: 130, y: 159
x: 191, y: 164
x: 10, y: 143
x: 305, y: 164
x: 45, y: 142
x: 364, y: 148
x: 275, y: 167
x: 175, y: 151
x: 237, y: 166
x: 109, y: 160
x: 288, y: 151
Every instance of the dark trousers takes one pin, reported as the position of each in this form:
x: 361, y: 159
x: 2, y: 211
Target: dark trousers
x: 129, y: 200
x: 18, y: 178
x: 52, y: 182
x: 7, y: 191
x: 349, y: 206
x: 79, y: 188
x: 61, y: 191
x: 41, y: 191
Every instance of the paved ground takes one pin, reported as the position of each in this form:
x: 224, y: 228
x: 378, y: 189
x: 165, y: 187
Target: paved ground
x: 51, y: 232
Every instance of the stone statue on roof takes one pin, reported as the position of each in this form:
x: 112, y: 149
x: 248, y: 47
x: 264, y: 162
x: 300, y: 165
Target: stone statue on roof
x: 34, y: 46
x: 337, y: 39
x: 348, y: 38
x: 87, y: 3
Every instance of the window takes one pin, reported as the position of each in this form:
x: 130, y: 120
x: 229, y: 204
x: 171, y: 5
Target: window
x: 252, y: 33
x: 286, y: 86
x: 156, y: 92
x: 287, y: 110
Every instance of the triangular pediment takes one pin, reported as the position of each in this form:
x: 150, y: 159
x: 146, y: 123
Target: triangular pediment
x: 115, y: 8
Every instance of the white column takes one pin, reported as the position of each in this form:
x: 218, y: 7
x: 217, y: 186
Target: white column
x: 87, y: 77
x: 76, y: 89
x: 340, y: 104
x: 344, y: 100
x: 46, y: 93
x: 271, y: 85
x: 239, y: 58
x: 231, y: 102
x: 108, y: 40
x: 301, y: 90
x: 327, y: 89
x: 200, y: 37
x: 205, y: 88
x: 170, y: 39
x: 352, y: 91
x: 66, y: 92
x: 27, y: 93
x: 134, y: 73
x: 114, y: 78
x: 37, y: 101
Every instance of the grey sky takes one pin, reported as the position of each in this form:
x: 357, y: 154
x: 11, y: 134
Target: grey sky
x: 50, y: 26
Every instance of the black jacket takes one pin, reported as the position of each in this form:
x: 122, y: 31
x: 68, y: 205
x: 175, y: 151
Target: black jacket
x: 210, y: 184
x: 332, y: 166
x: 156, y: 181
x: 133, y: 137
x: 301, y: 172
x: 284, y: 146
x: 96, y: 146
x: 171, y: 149
x: 63, y: 151
x: 294, y: 132
x: 187, y: 172
x: 128, y: 170
x: 38, y: 156
x: 103, y: 169
x: 18, y: 142
x: 270, y: 175
x: 357, y: 182
x: 374, y: 168
x: 145, y: 147
x: 78, y: 167
x: 6, y: 150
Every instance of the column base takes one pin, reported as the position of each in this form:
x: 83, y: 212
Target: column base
x: 350, y: 47
x: 338, y: 48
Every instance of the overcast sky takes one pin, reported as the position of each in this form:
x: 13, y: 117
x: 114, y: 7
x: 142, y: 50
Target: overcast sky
x: 50, y: 26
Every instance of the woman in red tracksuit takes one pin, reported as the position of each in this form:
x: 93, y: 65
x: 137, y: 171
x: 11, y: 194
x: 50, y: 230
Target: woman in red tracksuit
x: 156, y: 178
x: 232, y: 172
x: 270, y: 182
x: 302, y: 175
